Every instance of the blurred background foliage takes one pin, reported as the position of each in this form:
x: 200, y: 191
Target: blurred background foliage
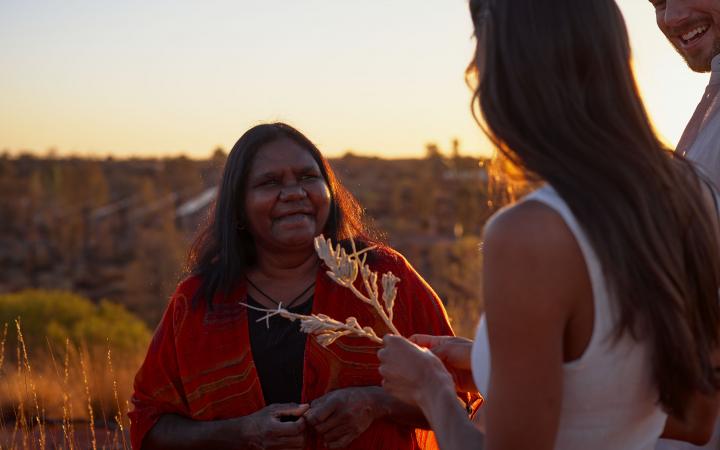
x: 119, y: 229
x: 91, y: 250
x: 49, y: 318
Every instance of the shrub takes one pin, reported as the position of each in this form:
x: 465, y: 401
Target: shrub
x: 48, y: 318
x: 81, y: 359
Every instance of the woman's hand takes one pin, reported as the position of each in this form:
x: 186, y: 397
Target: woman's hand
x: 409, y: 371
x: 264, y: 429
x: 342, y: 415
x: 455, y: 353
x: 277, y: 426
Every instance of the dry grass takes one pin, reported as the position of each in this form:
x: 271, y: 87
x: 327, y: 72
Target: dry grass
x: 69, y: 398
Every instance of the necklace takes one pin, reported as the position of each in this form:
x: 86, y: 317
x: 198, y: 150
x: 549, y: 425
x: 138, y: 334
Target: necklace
x: 290, y: 303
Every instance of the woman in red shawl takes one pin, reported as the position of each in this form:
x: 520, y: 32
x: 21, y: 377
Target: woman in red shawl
x: 215, y: 377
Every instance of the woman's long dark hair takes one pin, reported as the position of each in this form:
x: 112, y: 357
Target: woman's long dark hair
x: 224, y: 249
x: 558, y: 97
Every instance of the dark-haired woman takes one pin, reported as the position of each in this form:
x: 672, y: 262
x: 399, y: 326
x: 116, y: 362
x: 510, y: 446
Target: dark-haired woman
x: 601, y: 287
x: 215, y: 377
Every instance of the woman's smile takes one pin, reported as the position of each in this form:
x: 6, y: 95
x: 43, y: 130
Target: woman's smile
x: 294, y: 219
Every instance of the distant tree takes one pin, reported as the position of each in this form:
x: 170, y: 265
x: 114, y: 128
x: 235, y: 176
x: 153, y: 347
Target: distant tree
x: 219, y: 156
x: 455, y: 148
x: 51, y: 153
x: 432, y: 151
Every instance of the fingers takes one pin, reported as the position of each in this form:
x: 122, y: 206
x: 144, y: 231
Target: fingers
x: 455, y: 352
x: 342, y: 415
x: 446, y: 352
x: 441, y: 346
x: 341, y: 428
x: 326, y: 425
x: 409, y: 371
x: 427, y: 340
x: 394, y: 346
x: 398, y: 351
x: 319, y: 412
x: 391, y: 353
x: 397, y: 366
x: 394, y: 340
x: 289, y: 409
x: 288, y: 428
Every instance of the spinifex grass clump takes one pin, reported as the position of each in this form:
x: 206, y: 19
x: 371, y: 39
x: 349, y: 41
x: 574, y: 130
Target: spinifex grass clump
x: 63, y: 402
x: 344, y: 269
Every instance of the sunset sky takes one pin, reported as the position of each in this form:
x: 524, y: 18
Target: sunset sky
x: 168, y: 77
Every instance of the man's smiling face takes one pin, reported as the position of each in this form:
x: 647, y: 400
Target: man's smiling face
x: 692, y: 27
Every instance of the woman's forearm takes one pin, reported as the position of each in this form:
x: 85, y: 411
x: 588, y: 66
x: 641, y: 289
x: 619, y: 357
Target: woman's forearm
x: 179, y: 433
x: 453, y: 430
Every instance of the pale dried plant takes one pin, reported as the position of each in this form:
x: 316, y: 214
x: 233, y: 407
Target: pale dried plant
x: 2, y: 360
x: 84, y: 369
x: 39, y: 418
x: 118, y: 415
x: 2, y: 346
x: 325, y: 329
x: 343, y: 269
x: 56, y: 374
x: 21, y: 425
x: 67, y: 408
x: 47, y: 386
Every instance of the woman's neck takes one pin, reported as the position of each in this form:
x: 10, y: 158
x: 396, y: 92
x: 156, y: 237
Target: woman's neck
x: 285, y: 266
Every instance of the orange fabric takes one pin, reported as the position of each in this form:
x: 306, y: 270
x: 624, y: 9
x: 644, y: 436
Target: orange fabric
x: 199, y: 364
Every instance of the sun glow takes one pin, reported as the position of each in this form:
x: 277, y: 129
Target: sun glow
x: 144, y: 79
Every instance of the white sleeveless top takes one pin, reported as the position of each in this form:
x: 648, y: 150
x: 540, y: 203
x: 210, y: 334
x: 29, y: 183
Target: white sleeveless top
x: 609, y: 401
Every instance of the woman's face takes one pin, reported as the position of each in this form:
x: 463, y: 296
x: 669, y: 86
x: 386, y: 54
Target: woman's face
x: 287, y: 200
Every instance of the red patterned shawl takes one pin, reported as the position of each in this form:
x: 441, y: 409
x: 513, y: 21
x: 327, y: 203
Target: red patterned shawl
x: 199, y: 364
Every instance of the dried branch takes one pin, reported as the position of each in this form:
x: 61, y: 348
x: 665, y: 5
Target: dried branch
x: 325, y: 329
x: 343, y: 270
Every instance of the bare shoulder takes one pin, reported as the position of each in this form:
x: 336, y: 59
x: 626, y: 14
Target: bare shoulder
x: 530, y: 257
x: 529, y: 227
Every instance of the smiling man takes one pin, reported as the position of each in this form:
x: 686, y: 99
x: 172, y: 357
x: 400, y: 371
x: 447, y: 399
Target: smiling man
x: 693, y: 28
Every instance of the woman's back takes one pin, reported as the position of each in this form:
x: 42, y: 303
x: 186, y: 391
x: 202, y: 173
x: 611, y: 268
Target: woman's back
x: 558, y: 98
x: 609, y: 399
